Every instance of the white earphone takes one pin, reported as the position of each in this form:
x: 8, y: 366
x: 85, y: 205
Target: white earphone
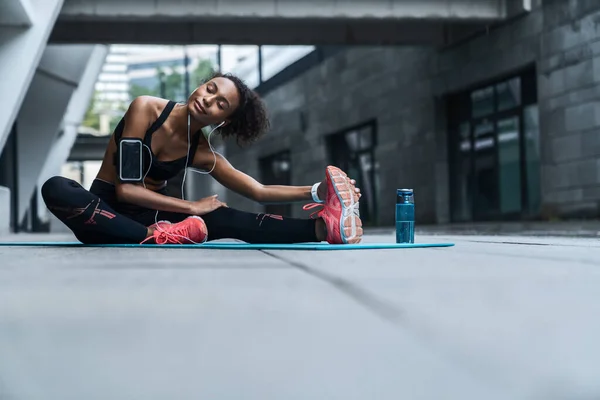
x: 186, y: 163
x: 214, y: 152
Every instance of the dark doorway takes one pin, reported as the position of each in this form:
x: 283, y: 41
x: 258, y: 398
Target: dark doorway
x: 353, y: 150
x: 494, y: 151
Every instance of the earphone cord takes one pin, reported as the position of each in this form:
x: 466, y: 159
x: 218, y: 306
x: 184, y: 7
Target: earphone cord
x: 157, y: 227
x: 213, y: 151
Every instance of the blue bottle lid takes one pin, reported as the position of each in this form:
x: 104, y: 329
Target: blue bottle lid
x: 404, y: 191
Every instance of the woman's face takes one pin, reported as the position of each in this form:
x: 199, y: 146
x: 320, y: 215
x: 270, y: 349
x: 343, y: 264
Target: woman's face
x: 214, y: 102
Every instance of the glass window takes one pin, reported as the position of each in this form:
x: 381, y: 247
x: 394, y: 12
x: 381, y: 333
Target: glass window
x: 368, y: 184
x: 360, y: 139
x: 482, y: 102
x: 509, y: 94
x: 115, y: 68
x: 112, y: 77
x: 509, y: 160
x: 483, y: 133
x: 485, y: 196
x: 489, y: 178
x: 241, y: 61
x: 353, y: 152
x: 353, y: 140
x: 484, y: 128
x: 116, y: 59
x: 465, y: 137
x: 277, y: 58
x: 366, y: 138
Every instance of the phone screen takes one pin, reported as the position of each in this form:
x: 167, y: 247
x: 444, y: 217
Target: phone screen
x: 130, y: 160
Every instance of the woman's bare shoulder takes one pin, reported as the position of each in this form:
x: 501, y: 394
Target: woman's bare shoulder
x: 149, y: 105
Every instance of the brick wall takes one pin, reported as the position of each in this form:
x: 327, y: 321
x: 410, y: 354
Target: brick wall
x: 403, y: 88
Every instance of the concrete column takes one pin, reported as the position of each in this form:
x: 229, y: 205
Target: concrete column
x: 21, y: 48
x: 4, y: 210
x: 18, y: 13
x: 8, y: 168
x: 42, y: 112
x: 72, y: 119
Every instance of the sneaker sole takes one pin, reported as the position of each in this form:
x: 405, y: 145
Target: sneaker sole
x: 347, y: 196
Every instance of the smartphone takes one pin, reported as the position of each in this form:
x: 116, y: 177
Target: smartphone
x: 130, y: 160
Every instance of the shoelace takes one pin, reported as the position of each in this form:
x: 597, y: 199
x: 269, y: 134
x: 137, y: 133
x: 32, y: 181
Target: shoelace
x: 310, y: 206
x: 164, y: 236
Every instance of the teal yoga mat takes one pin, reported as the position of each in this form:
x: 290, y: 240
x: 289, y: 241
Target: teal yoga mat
x: 241, y: 246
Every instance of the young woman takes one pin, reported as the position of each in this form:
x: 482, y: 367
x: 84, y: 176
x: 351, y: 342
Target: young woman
x: 116, y: 210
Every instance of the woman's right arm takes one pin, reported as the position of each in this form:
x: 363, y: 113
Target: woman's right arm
x: 139, y: 195
x: 135, y: 194
x: 138, y: 118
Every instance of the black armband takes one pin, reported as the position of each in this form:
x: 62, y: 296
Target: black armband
x: 129, y: 160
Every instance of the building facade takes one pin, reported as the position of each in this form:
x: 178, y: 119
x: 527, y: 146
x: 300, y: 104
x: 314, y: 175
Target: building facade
x: 143, y: 67
x: 112, y: 85
x: 504, y: 125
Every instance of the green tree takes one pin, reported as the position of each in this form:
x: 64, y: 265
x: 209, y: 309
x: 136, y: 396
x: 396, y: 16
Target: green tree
x: 174, y: 86
x: 137, y: 91
x: 91, y: 118
x: 201, y: 73
x: 114, y: 121
x: 171, y: 83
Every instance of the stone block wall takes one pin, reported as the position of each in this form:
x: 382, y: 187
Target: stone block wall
x: 403, y: 90
x: 569, y: 101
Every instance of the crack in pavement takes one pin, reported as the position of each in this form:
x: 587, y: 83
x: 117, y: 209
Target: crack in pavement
x: 423, y: 333
x: 383, y: 309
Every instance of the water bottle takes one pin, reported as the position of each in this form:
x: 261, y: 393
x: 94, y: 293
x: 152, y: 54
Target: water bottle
x: 405, y: 216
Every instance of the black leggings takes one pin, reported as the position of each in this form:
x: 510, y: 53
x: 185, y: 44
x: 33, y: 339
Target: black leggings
x: 94, y: 221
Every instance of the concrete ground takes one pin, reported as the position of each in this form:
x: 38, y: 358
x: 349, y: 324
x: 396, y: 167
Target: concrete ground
x: 495, y: 317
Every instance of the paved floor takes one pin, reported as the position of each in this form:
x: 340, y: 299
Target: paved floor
x: 495, y: 317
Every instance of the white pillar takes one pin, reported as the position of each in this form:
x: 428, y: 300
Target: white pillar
x: 18, y: 13
x: 57, y: 77
x: 78, y: 104
x: 4, y: 210
x: 21, y: 47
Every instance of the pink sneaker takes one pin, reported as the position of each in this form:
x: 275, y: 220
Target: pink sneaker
x: 191, y: 230
x: 160, y: 224
x: 340, y: 210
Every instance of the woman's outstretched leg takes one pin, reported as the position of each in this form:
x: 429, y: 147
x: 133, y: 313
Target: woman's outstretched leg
x: 338, y: 221
x: 229, y: 223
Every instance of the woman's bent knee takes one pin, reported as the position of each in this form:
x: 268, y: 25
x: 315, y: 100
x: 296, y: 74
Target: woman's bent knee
x: 50, y: 187
x: 54, y: 189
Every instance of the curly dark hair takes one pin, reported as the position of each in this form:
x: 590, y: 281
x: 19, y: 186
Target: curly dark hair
x: 249, y: 121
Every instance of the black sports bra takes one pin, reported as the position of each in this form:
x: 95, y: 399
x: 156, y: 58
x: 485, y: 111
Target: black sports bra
x: 160, y: 170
